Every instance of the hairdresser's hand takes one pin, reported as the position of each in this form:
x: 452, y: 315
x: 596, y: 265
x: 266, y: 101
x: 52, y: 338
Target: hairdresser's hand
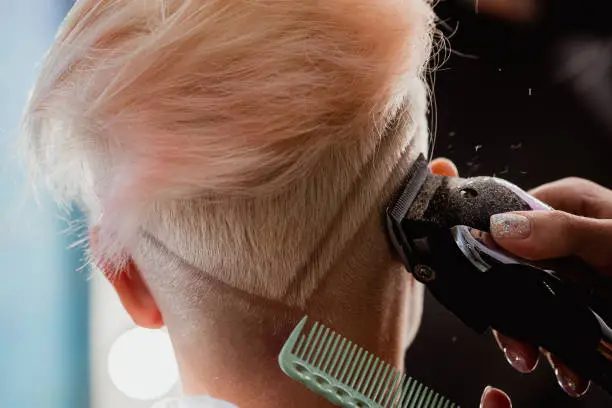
x: 581, y: 226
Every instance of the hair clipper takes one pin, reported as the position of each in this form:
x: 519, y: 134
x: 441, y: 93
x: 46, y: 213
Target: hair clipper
x: 439, y: 227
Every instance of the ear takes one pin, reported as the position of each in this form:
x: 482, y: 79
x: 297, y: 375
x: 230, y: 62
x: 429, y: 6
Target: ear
x: 132, y: 290
x: 444, y: 167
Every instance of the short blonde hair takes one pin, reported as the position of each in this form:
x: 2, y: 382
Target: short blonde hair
x: 153, y: 112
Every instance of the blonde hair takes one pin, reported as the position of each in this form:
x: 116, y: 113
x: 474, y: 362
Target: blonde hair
x: 207, y: 121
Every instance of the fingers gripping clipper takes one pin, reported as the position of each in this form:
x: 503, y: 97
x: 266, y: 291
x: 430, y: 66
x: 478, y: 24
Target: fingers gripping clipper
x: 439, y: 227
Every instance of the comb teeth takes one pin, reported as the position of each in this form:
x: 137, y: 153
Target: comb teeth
x: 348, y: 375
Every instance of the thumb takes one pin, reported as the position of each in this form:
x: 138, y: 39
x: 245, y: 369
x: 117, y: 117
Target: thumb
x: 494, y: 398
x: 537, y: 235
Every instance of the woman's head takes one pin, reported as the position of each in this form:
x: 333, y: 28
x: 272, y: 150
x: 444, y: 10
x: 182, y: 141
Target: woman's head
x: 252, y: 138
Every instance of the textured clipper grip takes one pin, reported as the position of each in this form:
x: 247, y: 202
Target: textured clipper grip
x: 447, y: 202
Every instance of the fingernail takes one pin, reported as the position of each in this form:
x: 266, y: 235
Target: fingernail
x: 514, y: 358
x: 513, y: 226
x: 486, y: 392
x: 517, y: 361
x: 573, y: 385
x: 569, y: 383
x: 494, y: 398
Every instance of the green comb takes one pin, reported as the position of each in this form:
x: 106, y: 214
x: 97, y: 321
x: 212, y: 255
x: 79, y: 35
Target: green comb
x: 348, y: 376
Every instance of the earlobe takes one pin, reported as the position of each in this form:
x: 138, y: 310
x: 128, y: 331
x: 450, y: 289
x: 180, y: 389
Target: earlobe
x: 133, y: 291
x: 136, y: 297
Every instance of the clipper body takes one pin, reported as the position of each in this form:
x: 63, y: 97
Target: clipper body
x: 439, y: 227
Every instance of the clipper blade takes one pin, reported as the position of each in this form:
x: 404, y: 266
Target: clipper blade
x: 414, y: 180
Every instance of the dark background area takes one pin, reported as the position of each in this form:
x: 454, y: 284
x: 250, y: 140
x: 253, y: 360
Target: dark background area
x: 530, y: 103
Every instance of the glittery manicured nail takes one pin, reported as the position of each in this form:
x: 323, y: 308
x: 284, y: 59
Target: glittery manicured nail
x: 514, y: 226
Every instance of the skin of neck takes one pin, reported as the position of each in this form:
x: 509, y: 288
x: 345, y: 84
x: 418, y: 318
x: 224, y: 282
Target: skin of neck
x: 368, y: 298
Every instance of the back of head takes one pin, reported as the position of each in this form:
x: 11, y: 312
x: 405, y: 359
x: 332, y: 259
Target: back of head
x: 232, y: 132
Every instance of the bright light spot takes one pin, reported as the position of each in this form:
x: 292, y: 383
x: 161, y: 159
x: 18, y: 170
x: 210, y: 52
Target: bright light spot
x: 142, y: 365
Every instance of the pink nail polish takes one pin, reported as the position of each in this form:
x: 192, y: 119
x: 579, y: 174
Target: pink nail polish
x: 517, y: 361
x: 570, y: 383
x: 494, y: 398
x: 487, y: 390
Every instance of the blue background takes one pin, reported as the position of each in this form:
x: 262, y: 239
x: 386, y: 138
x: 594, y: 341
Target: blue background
x: 43, y: 298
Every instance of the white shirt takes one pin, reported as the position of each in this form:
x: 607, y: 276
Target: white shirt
x: 194, y: 402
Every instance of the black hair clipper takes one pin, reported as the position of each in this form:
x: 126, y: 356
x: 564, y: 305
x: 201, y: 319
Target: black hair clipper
x: 439, y: 226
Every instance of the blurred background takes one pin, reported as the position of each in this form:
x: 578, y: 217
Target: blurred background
x: 525, y: 94
x: 65, y: 341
